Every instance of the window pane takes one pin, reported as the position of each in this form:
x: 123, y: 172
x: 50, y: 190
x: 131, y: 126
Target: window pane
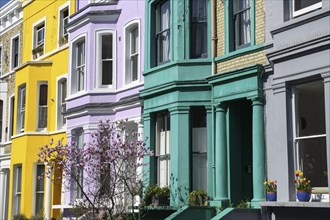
x: 107, y: 46
x: 19, y: 179
x: 80, y: 53
x: 198, y: 28
x: 134, y: 40
x: 313, y: 160
x: 107, y: 72
x: 163, y: 34
x: 310, y: 120
x: 43, y: 95
x: 39, y: 178
x: 39, y: 202
x: 165, y: 16
x: 134, y: 67
x: 240, y: 5
x: 300, y: 4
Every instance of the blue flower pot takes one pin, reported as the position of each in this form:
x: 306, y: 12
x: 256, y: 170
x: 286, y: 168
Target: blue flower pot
x: 303, y: 196
x: 271, y: 196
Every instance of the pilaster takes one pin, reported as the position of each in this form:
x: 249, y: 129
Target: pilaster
x: 210, y: 150
x: 180, y: 155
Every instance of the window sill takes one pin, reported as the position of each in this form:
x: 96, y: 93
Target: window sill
x: 240, y: 52
x: 296, y: 204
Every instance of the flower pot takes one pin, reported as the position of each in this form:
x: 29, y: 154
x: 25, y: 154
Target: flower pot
x: 161, y: 200
x: 303, y: 196
x: 271, y: 196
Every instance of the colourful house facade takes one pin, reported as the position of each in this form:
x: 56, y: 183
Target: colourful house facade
x: 105, y: 69
x: 11, y: 34
x: 40, y: 89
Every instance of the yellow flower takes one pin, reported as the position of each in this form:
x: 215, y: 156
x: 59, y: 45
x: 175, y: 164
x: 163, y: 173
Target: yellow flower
x: 301, y: 174
x: 265, y: 183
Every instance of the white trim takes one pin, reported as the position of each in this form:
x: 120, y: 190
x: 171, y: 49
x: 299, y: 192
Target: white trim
x: 306, y: 9
x: 11, y: 51
x: 34, y: 25
x: 10, y: 117
x: 73, y: 42
x: 1, y: 58
x: 127, y: 26
x: 98, y: 59
x: 41, y: 133
x: 60, y: 9
x: 59, y: 49
x: 58, y: 79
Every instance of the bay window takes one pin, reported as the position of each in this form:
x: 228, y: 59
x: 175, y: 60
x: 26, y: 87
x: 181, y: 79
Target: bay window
x: 132, y: 53
x: 21, y: 108
x: 105, y: 59
x: 198, y: 32
x: 163, y: 32
x: 78, y: 66
x: 163, y: 148
x: 39, y: 188
x: 42, y: 109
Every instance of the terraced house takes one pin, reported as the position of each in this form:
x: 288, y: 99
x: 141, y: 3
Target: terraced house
x: 11, y: 35
x: 297, y: 90
x: 39, y: 93
x: 105, y: 70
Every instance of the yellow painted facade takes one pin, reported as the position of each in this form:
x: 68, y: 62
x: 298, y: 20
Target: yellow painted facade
x: 49, y: 67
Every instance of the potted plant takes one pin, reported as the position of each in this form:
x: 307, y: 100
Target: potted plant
x: 271, y: 190
x: 303, y: 187
x: 157, y: 196
x: 38, y: 51
x: 162, y: 196
x: 198, y: 198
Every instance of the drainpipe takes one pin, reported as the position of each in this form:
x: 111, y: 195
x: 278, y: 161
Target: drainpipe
x: 214, y: 34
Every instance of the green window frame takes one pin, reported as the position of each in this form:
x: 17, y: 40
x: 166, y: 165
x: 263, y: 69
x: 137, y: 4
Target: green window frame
x: 231, y: 17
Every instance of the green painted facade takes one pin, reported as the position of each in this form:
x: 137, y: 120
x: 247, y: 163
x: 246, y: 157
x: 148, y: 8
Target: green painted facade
x: 233, y: 113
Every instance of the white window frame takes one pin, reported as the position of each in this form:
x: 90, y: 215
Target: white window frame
x: 98, y: 58
x: 305, y: 10
x: 43, y: 106
x: 73, y: 88
x: 163, y: 148
x: 1, y: 55
x: 294, y: 133
x: 127, y: 52
x: 59, y: 104
x: 61, y: 9
x: 16, y: 205
x: 2, y: 107
x: 35, y: 192
x: 12, y: 57
x: 21, y: 110
x: 11, y: 113
x: 78, y: 135
x: 35, y: 44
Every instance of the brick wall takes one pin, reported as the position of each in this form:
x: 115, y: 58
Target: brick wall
x: 247, y: 59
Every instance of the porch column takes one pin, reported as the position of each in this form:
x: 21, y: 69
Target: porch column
x: 221, y: 177
x: 149, y: 133
x: 326, y: 81
x: 180, y: 155
x: 210, y: 150
x: 2, y: 193
x: 258, y: 150
x: 48, y: 197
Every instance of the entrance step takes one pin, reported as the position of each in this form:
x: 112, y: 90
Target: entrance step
x: 239, y: 214
x: 193, y: 213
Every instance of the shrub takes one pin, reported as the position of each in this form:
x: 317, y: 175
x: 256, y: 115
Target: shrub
x: 198, y: 198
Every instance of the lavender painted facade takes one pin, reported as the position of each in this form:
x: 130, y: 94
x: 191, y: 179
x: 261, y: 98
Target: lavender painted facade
x: 105, y: 67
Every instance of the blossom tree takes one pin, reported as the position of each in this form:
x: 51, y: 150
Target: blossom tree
x: 106, y: 172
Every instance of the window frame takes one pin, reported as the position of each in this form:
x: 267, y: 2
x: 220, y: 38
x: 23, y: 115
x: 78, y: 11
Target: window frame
x: 304, y: 10
x: 61, y: 23
x: 36, y: 51
x: 158, y: 32
x: 1, y: 55
x: 162, y: 154
x: 11, y: 114
x: 35, y: 187
x: 74, y: 82
x: 296, y: 139
x: 13, y: 54
x: 59, y: 104
x: 127, y: 52
x: 40, y: 84
x: 229, y: 28
x: 191, y: 24
x: 16, y: 203
x: 99, y: 60
x: 21, y: 108
x: 1, y: 117
x: 78, y: 136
